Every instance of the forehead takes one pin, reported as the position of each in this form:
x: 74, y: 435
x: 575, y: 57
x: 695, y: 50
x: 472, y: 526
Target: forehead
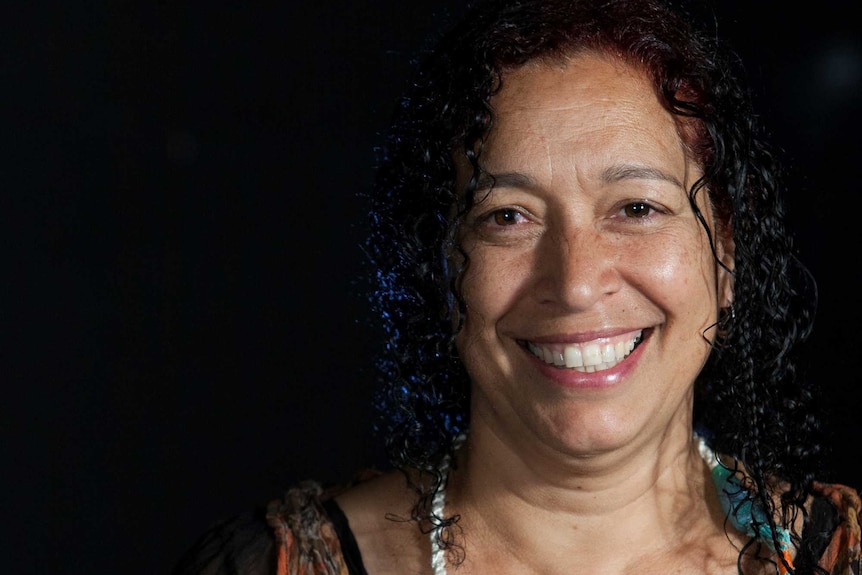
x: 588, y: 108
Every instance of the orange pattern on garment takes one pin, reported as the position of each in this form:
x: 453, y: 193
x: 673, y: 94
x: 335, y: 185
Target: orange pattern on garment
x: 306, y: 540
x: 843, y: 555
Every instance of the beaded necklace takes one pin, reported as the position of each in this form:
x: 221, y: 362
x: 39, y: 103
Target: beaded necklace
x: 744, y: 513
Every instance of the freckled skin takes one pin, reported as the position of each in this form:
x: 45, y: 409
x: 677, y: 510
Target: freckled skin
x: 567, y: 247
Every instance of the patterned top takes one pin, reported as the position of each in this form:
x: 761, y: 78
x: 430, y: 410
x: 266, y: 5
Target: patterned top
x: 305, y: 533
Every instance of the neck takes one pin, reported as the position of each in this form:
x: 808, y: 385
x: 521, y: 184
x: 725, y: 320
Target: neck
x: 659, y: 497
x: 593, y: 483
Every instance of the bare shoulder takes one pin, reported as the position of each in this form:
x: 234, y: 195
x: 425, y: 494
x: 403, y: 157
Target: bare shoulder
x: 378, y: 511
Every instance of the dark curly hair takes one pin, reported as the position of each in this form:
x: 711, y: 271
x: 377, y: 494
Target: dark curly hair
x: 751, y: 400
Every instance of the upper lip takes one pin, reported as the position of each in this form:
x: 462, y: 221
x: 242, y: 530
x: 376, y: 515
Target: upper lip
x: 581, y: 337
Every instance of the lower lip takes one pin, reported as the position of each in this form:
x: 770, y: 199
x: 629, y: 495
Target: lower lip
x: 574, y: 379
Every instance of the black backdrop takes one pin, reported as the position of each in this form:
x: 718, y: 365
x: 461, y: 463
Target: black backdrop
x: 181, y: 335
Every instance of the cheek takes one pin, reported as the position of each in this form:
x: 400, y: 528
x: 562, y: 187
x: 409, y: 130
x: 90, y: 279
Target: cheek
x: 494, y: 279
x: 680, y: 276
x: 677, y: 271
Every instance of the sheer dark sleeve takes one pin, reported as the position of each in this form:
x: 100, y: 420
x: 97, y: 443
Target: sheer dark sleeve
x: 242, y: 545
x: 292, y: 534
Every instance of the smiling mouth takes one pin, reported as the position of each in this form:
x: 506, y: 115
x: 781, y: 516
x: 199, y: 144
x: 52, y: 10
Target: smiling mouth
x: 587, y: 357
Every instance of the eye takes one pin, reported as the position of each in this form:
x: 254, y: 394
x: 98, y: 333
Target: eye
x: 506, y: 217
x: 637, y: 210
x: 502, y: 223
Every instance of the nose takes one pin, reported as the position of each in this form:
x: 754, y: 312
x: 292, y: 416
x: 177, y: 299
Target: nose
x: 576, y: 268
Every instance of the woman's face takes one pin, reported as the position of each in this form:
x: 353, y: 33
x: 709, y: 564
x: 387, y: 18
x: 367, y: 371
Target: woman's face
x: 591, y: 284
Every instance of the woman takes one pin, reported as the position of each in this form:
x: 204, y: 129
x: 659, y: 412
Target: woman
x: 588, y: 292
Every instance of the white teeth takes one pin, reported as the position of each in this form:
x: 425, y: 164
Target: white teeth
x: 592, y: 355
x: 559, y: 360
x: 587, y: 358
x: 574, y: 357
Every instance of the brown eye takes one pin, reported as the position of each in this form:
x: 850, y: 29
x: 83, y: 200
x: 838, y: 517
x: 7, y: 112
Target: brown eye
x: 637, y: 210
x: 505, y: 217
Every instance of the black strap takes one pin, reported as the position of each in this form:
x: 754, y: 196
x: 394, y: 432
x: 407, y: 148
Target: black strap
x: 352, y: 556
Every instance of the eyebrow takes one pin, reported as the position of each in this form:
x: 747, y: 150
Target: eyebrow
x: 611, y: 174
x: 504, y: 180
x: 635, y: 172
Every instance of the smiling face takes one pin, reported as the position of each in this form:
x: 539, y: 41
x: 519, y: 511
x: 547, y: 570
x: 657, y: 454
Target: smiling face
x: 591, y: 284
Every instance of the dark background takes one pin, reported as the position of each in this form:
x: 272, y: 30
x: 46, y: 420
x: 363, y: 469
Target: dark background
x: 181, y: 337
